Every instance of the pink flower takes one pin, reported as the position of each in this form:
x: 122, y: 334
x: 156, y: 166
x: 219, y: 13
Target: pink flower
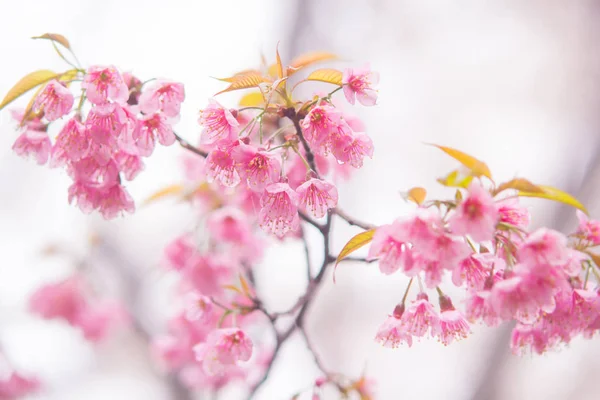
x: 391, y: 333
x: 258, y: 168
x: 102, y: 84
x: 72, y: 143
x: 279, y: 209
x: 86, y: 195
x: 129, y: 164
x: 59, y: 300
x: 198, y: 307
x: 317, y: 196
x: 207, y: 273
x: 163, y: 96
x: 173, y: 352
x: 474, y: 270
x: 33, y: 143
x: 105, y: 123
x: 524, y: 336
x: 15, y: 386
x: 352, y: 148
x: 389, y: 247
x: 229, y: 224
x: 96, y: 321
x: 477, y: 306
x: 55, y: 100
x: 420, y: 317
x: 113, y: 200
x: 150, y: 128
x: 223, y: 348
x: 221, y: 167
x: 358, y: 85
x: 218, y: 122
x: 544, y: 246
x: 180, y: 253
x: 588, y: 229
x: 512, y: 213
x: 452, y: 324
x: 476, y: 215
x: 318, y: 125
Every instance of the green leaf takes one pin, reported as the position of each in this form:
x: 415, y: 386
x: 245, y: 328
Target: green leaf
x: 328, y: 75
x: 252, y: 99
x: 453, y: 179
x: 27, y: 83
x: 354, y: 244
x: 477, y: 168
x: 552, y: 193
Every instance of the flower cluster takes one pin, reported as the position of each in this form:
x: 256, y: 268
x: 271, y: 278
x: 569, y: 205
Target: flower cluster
x: 539, y: 279
x: 102, y: 145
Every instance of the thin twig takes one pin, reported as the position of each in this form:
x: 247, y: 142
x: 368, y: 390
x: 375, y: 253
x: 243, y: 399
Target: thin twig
x: 186, y: 145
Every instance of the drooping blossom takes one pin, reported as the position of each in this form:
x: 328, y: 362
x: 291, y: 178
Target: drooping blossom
x: 420, y: 317
x: 72, y: 143
x: 318, y: 125
x: 181, y: 253
x: 14, y: 385
x: 452, y: 324
x: 218, y: 122
x: 476, y: 215
x: 149, y: 129
x: 317, y: 197
x: 223, y: 348
x: 164, y: 96
x: 114, y: 200
x: 389, y: 247
x: 63, y: 300
x: 129, y: 164
x: 105, y: 123
x: 230, y: 224
x: 55, y: 100
x: 391, y: 333
x: 544, y: 246
x: 512, y: 213
x: 102, y: 84
x: 358, y: 85
x: 221, y: 166
x: 279, y: 209
x: 475, y: 269
x: 256, y: 167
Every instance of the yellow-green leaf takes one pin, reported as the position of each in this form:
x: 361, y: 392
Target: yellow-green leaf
x: 55, y: 37
x: 328, y: 75
x: 417, y: 195
x: 354, y: 244
x: 253, y: 99
x: 27, y: 83
x: 244, y: 81
x: 595, y: 258
x: 279, y: 64
x: 232, y: 288
x: 453, y: 179
x: 477, y: 167
x: 245, y: 287
x: 552, y: 193
x: 309, y: 58
x: 520, y: 184
x: 171, y: 190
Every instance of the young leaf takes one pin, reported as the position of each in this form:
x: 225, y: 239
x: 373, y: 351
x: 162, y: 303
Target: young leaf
x: 253, y: 99
x: 327, y: 75
x: 454, y: 180
x: 354, y: 244
x: 309, y: 58
x: 478, y: 168
x: 27, y: 83
x: 55, y: 37
x: 552, y: 193
x: 417, y: 195
x: 232, y: 288
x: 520, y: 184
x: 245, y: 81
x: 171, y: 190
x: 245, y: 287
x: 279, y: 64
x: 237, y: 75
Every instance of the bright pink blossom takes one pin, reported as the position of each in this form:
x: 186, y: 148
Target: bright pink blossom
x: 452, y: 324
x: 221, y: 167
x: 33, y: 143
x: 181, y: 253
x: 229, y: 224
x: 318, y: 125
x: 476, y: 215
x: 544, y: 246
x: 16, y: 386
x: 512, y: 213
x: 389, y: 247
x: 474, y: 270
x: 352, y: 148
x: 149, y: 129
x: 163, y: 96
x: 129, y: 164
x: 256, y: 167
x: 223, y: 348
x: 105, y: 123
x: 317, y: 197
x: 279, y: 209
x: 64, y: 300
x: 72, y: 142
x: 420, y: 317
x: 358, y: 85
x: 55, y: 100
x: 218, y: 122
x: 102, y: 84
x: 528, y: 336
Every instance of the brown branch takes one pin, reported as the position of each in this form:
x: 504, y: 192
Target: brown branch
x: 186, y: 145
x: 353, y: 221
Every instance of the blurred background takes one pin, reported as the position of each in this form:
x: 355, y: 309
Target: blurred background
x: 514, y: 83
